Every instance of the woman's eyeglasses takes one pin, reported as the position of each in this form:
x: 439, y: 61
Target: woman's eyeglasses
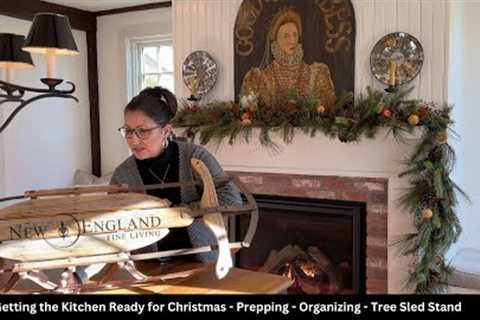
x: 141, y: 133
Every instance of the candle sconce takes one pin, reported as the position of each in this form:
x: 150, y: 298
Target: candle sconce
x: 50, y: 34
x: 396, y: 59
x: 199, y: 72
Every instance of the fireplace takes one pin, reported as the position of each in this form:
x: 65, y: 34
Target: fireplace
x: 317, y: 191
x: 320, y: 244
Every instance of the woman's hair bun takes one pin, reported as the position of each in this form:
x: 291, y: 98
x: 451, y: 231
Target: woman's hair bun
x: 157, y: 103
x: 164, y: 96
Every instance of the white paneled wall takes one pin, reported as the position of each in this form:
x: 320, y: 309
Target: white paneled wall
x: 208, y: 25
x: 205, y: 25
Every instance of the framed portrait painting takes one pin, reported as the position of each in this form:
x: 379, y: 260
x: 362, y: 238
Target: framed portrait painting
x: 285, y: 47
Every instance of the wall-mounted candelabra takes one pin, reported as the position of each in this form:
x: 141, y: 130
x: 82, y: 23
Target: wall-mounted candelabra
x: 51, y: 35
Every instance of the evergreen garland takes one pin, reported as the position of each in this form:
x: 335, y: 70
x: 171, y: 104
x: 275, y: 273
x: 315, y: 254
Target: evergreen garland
x: 432, y: 195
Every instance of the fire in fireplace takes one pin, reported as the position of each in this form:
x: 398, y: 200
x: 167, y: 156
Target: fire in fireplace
x: 320, y: 244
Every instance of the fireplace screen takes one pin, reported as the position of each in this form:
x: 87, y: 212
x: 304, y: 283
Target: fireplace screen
x: 320, y: 244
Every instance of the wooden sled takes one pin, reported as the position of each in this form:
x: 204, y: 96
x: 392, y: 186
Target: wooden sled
x: 67, y: 228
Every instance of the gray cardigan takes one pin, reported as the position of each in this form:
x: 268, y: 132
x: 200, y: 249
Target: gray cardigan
x: 200, y: 235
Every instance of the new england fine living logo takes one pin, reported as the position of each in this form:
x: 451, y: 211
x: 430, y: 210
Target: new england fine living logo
x: 65, y: 230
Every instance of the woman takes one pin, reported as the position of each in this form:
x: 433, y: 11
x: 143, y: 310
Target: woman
x: 158, y: 158
x: 275, y: 80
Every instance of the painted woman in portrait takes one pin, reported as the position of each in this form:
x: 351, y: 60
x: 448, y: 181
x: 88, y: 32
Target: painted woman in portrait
x: 283, y: 70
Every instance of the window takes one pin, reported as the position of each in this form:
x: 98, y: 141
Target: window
x: 152, y: 64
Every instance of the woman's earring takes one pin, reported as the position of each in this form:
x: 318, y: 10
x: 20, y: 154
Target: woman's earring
x: 165, y: 143
x: 167, y: 140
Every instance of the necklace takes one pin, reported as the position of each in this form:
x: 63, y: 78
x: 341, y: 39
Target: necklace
x: 164, y: 175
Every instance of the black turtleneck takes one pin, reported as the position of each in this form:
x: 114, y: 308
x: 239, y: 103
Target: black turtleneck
x: 165, y: 166
x: 153, y: 171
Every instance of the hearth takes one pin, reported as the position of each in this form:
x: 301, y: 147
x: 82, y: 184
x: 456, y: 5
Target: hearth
x: 318, y: 243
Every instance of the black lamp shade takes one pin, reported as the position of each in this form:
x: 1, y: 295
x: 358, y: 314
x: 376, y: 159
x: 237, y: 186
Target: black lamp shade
x: 11, y: 53
x: 51, y: 31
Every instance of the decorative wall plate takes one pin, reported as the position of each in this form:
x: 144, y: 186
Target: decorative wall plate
x: 402, y: 48
x: 199, y: 72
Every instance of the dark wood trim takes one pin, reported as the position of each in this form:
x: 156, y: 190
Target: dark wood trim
x: 149, y: 6
x: 26, y: 9
x: 94, y: 103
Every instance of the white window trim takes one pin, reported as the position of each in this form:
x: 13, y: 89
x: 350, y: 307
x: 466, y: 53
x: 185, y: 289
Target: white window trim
x: 133, y: 45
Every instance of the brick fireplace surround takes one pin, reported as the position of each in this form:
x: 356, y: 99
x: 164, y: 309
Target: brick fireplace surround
x: 372, y: 191
x: 324, y: 168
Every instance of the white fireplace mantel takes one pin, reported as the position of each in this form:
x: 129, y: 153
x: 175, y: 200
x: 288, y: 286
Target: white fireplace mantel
x: 376, y: 158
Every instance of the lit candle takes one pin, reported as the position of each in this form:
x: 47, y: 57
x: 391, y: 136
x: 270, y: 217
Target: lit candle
x: 392, y: 69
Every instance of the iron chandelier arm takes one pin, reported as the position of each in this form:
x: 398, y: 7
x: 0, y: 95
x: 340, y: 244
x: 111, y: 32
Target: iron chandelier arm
x: 11, y: 96
x: 24, y: 103
x: 50, y: 82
